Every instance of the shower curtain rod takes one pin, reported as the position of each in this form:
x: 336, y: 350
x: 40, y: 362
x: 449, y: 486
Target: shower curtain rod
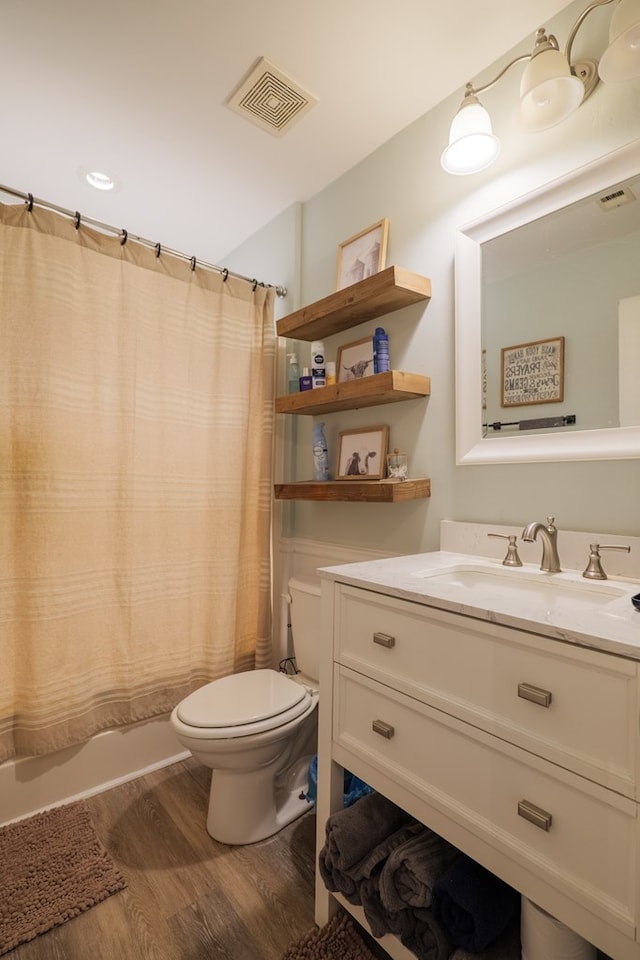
x: 124, y: 235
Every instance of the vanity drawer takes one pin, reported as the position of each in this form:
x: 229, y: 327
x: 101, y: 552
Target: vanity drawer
x: 574, y: 706
x: 574, y: 834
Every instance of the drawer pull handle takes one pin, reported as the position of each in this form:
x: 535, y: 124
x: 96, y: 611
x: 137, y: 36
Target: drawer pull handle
x: 384, y: 729
x: 535, y: 694
x: 535, y: 815
x: 384, y: 640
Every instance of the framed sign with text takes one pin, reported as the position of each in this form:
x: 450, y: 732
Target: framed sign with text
x: 533, y: 372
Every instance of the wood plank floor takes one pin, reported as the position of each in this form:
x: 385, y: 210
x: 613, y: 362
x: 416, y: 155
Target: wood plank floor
x: 188, y: 897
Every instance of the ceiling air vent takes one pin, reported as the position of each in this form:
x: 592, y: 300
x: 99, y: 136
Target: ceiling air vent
x: 615, y: 198
x: 271, y: 99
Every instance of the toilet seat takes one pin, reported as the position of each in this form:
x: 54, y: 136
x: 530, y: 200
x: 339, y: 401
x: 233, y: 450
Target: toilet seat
x: 243, y: 704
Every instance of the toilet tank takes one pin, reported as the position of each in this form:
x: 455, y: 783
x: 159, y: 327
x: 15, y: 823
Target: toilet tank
x: 306, y: 624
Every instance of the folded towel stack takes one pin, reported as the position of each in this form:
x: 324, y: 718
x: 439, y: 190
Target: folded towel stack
x: 351, y: 836
x: 412, y: 883
x: 359, y: 843
x: 412, y: 870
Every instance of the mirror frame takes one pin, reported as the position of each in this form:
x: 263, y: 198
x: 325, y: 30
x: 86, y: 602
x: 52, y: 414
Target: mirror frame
x: 614, y: 443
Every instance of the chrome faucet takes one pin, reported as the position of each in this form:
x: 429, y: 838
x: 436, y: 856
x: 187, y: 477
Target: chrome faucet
x: 549, y: 536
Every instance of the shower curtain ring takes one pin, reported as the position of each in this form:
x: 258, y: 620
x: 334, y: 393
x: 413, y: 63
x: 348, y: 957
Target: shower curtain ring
x: 158, y: 249
x: 124, y: 237
x: 78, y: 220
x: 255, y: 284
x: 29, y: 202
x: 225, y: 275
x: 193, y: 263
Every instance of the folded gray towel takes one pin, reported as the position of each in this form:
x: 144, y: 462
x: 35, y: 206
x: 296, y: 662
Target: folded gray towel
x: 381, y: 921
x: 338, y: 881
x: 373, y: 863
x: 352, y: 836
x: 427, y: 939
x: 351, y: 833
x: 412, y: 869
x: 369, y: 869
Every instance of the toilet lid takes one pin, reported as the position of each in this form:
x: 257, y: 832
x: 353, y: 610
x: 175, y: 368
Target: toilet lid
x: 243, y: 698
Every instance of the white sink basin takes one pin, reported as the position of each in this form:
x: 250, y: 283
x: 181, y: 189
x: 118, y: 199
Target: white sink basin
x: 480, y: 584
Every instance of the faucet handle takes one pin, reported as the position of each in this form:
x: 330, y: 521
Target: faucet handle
x: 594, y: 569
x: 511, y: 559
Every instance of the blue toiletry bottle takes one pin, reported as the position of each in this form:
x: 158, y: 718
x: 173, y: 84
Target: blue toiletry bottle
x: 320, y: 454
x: 380, y: 351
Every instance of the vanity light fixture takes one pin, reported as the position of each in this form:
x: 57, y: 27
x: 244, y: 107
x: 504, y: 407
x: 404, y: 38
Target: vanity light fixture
x: 551, y: 89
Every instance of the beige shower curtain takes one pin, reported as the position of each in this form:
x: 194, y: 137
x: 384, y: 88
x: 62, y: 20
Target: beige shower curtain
x: 136, y: 399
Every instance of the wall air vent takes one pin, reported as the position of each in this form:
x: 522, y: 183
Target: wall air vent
x: 271, y: 99
x: 615, y: 198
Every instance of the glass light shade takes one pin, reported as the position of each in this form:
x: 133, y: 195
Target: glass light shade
x: 621, y: 59
x: 549, y: 92
x: 472, y: 145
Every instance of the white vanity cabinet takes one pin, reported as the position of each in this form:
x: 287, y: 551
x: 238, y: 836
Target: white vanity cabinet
x: 519, y: 749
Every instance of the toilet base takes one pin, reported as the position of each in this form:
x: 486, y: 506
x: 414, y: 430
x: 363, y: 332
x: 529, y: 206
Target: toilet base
x: 250, y: 806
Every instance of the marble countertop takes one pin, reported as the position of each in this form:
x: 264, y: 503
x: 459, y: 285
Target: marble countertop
x: 595, y: 614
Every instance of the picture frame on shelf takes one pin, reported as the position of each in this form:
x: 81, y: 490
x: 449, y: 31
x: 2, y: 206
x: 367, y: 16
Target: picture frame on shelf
x: 362, y: 454
x: 355, y: 360
x: 362, y: 255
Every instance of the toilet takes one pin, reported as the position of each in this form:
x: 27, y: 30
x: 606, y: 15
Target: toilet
x: 258, y: 732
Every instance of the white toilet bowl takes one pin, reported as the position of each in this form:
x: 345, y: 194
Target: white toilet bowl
x: 256, y: 731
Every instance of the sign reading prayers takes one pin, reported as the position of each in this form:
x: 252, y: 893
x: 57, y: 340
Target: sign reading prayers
x: 533, y: 372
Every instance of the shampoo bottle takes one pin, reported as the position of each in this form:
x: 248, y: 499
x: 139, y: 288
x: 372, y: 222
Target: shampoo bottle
x: 293, y: 379
x: 320, y: 454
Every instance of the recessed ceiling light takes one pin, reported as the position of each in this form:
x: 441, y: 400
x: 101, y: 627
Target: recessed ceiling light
x: 101, y: 181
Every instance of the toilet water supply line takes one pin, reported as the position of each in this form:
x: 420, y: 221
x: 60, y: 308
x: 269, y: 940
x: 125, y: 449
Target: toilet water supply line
x: 286, y: 647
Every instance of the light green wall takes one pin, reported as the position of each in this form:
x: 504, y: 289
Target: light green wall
x: 403, y: 181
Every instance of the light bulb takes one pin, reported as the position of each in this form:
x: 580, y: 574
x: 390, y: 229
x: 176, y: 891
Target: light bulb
x: 472, y: 145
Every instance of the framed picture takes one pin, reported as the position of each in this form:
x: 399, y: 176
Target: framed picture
x: 362, y: 454
x: 362, y: 255
x: 533, y: 372
x: 355, y: 360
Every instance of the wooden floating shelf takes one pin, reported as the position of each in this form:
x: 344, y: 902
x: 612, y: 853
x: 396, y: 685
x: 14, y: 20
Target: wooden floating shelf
x: 380, y: 294
x: 370, y: 391
x: 365, y: 491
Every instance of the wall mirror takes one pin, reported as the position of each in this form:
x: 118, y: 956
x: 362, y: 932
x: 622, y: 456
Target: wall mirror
x: 557, y: 271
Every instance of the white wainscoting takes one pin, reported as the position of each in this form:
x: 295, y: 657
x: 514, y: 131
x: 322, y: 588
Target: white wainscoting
x: 301, y: 558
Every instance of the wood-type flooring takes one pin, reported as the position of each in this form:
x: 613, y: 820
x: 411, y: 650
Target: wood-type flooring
x: 188, y: 897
